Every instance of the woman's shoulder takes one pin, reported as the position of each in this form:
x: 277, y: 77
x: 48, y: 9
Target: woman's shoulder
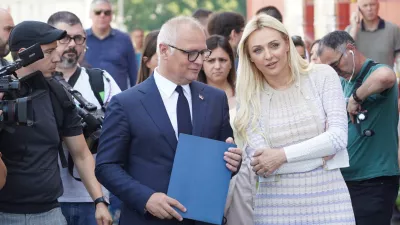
x: 321, y: 72
x: 318, y: 76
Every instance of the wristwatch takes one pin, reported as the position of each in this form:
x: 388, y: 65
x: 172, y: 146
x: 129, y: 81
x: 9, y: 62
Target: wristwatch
x: 356, y: 98
x: 102, y: 199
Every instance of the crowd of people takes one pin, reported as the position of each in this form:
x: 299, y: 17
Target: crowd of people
x: 315, y: 124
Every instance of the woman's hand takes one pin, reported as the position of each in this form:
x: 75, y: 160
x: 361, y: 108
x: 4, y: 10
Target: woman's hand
x: 266, y: 161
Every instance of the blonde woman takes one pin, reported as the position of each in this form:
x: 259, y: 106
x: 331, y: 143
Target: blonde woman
x: 292, y: 118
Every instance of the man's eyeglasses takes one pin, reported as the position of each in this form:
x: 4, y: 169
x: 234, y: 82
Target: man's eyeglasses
x: 193, y: 55
x: 106, y: 12
x: 79, y: 39
x: 335, y: 65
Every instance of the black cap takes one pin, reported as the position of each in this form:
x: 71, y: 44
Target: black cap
x: 28, y: 33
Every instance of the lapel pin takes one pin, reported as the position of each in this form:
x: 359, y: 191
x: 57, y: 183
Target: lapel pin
x: 201, y: 97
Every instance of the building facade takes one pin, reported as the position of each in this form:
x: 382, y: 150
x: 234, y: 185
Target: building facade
x: 313, y: 19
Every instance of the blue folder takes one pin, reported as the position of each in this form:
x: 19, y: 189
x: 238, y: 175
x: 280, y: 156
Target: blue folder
x: 200, y: 178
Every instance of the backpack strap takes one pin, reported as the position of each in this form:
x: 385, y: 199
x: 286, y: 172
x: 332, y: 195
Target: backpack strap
x: 97, y: 84
x: 74, y: 77
x: 71, y: 168
x: 358, y: 83
x: 61, y: 102
x: 360, y: 79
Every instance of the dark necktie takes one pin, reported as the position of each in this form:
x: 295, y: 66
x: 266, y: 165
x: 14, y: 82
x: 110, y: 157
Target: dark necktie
x: 183, y: 113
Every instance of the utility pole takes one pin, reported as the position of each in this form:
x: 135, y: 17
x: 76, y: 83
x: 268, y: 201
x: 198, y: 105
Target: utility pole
x: 120, y: 17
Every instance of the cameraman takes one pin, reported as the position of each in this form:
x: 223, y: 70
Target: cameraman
x: 30, y: 152
x: 76, y: 204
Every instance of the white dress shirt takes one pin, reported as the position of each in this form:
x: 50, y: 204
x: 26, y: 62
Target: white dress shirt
x: 170, y: 97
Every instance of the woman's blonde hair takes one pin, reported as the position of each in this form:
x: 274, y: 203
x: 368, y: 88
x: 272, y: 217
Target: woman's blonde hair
x: 250, y: 81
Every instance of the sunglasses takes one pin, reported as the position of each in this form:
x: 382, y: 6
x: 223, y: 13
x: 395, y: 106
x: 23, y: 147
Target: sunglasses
x: 106, y: 12
x: 335, y: 65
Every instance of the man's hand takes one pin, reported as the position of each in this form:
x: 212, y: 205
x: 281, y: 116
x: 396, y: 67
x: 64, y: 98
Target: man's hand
x: 233, y: 157
x: 353, y: 108
x: 355, y: 19
x: 102, y: 215
x: 266, y: 161
x: 355, y: 24
x: 3, y: 172
x: 160, y: 206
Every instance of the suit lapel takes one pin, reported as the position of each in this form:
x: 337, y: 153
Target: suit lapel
x: 199, y: 107
x: 155, y: 107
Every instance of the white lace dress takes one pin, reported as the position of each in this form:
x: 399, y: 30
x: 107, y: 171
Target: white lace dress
x: 301, y: 191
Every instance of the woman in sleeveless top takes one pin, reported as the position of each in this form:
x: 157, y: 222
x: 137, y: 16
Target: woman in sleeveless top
x: 292, y: 120
x: 219, y: 71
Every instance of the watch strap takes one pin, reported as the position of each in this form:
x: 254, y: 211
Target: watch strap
x: 101, y: 199
x: 356, y: 98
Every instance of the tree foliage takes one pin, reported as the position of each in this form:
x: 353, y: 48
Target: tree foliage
x: 151, y: 14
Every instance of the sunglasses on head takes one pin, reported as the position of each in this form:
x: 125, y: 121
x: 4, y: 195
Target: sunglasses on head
x: 106, y: 12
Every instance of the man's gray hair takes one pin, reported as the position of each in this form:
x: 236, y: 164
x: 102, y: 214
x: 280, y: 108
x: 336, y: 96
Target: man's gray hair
x: 336, y: 40
x: 170, y: 30
x: 95, y: 2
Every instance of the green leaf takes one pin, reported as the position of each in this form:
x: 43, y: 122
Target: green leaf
x: 151, y: 14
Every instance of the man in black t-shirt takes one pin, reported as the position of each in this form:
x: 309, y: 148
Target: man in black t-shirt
x: 31, y: 153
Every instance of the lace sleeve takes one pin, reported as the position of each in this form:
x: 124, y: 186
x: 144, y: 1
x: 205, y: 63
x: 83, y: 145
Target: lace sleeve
x: 334, y: 139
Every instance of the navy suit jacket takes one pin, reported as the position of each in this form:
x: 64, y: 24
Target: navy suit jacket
x: 137, y: 145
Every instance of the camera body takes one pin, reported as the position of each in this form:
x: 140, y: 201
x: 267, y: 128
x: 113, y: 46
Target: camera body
x: 8, y: 83
x: 91, y: 124
x: 18, y: 110
x: 92, y: 118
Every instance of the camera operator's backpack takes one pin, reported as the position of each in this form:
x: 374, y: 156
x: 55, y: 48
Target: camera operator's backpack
x: 96, y: 82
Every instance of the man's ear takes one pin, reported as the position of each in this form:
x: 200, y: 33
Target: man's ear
x: 350, y: 46
x: 163, y: 50
x: 232, y: 35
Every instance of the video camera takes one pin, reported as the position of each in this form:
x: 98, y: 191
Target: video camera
x: 92, y: 118
x: 18, y: 110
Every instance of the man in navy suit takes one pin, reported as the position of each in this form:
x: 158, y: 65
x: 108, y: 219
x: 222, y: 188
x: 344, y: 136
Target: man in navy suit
x: 141, y: 127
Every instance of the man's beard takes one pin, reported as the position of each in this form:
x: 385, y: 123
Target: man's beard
x: 69, y: 62
x: 4, y: 48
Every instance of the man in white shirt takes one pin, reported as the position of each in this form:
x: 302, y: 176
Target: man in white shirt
x: 76, y: 203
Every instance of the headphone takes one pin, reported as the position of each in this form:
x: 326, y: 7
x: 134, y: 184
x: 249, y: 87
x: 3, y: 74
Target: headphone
x: 354, y: 65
